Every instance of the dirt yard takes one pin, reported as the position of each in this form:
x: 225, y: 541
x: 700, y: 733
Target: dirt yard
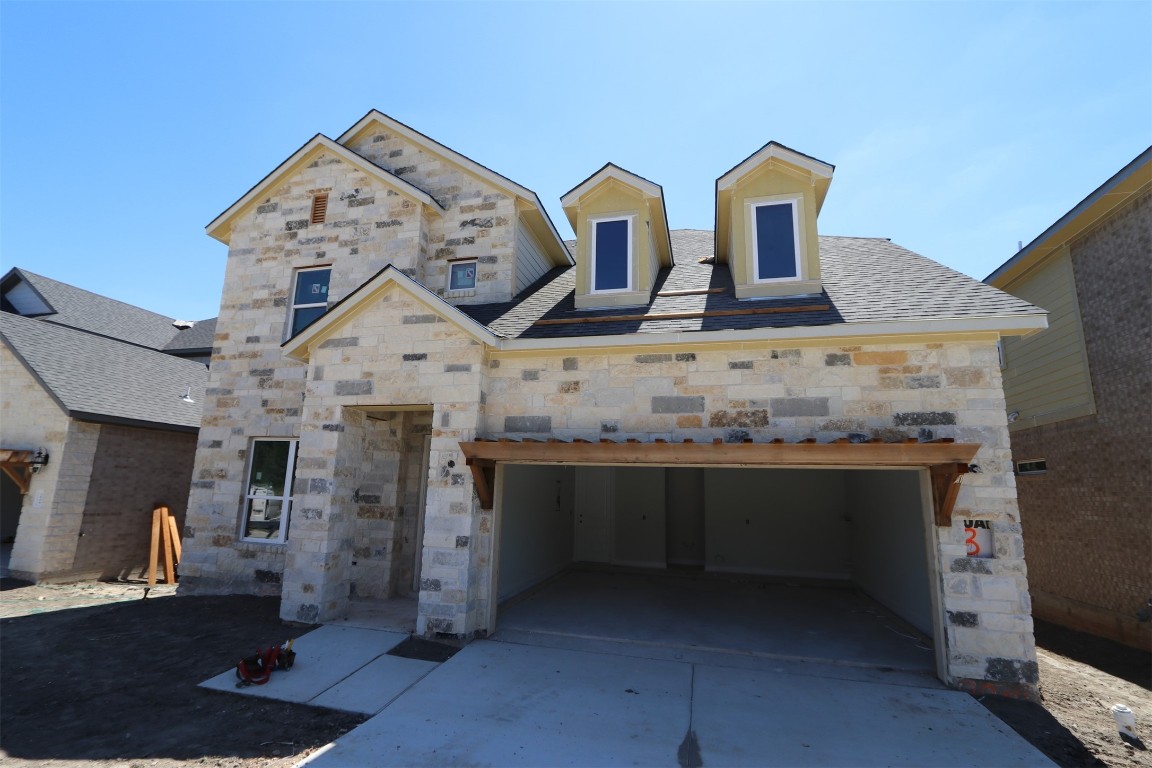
x: 96, y: 675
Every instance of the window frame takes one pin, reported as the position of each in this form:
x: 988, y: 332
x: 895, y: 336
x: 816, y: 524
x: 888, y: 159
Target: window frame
x: 630, y: 258
x: 754, y: 251
x: 287, y: 500
x: 294, y: 306
x: 459, y: 263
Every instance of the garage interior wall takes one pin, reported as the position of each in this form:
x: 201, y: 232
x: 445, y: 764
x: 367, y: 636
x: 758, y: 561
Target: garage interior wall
x: 864, y: 526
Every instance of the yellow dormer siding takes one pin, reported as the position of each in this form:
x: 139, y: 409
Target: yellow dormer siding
x: 622, y: 238
x: 766, y: 210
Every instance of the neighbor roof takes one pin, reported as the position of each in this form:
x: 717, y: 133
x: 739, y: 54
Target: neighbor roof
x: 94, y: 378
x: 1125, y: 184
x: 866, y: 280
x: 77, y: 308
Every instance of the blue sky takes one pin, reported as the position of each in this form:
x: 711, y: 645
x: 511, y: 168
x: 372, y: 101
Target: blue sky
x: 956, y: 129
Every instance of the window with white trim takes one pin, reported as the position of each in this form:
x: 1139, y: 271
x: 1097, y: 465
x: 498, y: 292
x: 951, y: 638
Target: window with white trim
x: 309, y: 298
x: 775, y: 241
x: 268, y: 494
x: 462, y: 275
x: 611, y: 254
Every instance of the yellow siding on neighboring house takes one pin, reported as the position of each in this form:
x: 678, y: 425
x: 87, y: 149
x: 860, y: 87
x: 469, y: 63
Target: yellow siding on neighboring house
x: 1046, y: 376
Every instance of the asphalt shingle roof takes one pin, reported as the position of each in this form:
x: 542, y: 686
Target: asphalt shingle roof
x: 865, y: 280
x: 93, y: 376
x: 77, y: 308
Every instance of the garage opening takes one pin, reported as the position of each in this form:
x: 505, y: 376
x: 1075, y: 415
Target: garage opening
x: 828, y: 564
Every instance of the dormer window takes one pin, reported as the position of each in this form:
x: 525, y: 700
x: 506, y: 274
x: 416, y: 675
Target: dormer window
x: 775, y: 240
x: 766, y: 209
x: 611, y: 249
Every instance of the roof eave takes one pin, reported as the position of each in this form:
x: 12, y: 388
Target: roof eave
x: 299, y: 347
x: 1101, y: 202
x: 1003, y: 325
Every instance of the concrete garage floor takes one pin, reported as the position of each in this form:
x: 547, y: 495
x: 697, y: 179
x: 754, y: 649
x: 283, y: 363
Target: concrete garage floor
x: 666, y: 614
x: 653, y: 669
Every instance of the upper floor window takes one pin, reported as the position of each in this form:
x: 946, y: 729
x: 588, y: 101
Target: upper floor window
x: 268, y: 495
x: 775, y: 240
x: 462, y: 275
x: 611, y: 254
x: 310, y: 297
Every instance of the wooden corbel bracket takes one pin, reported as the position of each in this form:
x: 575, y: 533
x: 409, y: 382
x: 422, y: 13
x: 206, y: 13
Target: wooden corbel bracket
x: 484, y: 479
x: 18, y: 466
x: 945, y: 489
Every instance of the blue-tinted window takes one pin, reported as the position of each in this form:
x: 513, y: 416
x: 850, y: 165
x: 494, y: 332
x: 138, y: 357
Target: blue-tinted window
x: 462, y: 276
x: 775, y: 241
x: 611, y: 256
x: 310, y: 299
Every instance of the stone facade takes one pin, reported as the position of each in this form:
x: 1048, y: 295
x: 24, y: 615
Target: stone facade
x: 399, y: 371
x: 1087, y: 518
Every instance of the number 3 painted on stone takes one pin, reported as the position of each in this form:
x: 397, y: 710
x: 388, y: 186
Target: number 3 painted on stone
x: 970, y: 542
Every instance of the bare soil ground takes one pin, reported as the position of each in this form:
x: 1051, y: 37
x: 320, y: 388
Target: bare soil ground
x: 96, y: 675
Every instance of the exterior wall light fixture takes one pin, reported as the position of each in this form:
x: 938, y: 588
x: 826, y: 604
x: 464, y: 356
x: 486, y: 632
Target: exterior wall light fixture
x: 39, y: 460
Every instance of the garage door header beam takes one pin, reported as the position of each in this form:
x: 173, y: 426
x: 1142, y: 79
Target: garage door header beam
x: 946, y: 459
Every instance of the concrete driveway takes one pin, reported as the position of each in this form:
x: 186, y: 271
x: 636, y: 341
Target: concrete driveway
x: 507, y: 704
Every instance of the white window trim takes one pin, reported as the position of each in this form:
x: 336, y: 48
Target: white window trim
x: 475, y: 279
x: 794, y: 202
x: 592, y: 224
x: 288, y: 499
x: 295, y: 283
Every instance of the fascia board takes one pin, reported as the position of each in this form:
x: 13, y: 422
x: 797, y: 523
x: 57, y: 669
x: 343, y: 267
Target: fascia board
x: 468, y: 164
x: 610, y: 171
x: 217, y: 228
x: 1097, y: 205
x: 890, y: 332
x: 299, y: 347
x: 769, y: 151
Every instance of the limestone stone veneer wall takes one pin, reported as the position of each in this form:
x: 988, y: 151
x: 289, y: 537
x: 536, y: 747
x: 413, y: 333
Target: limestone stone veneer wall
x: 398, y: 353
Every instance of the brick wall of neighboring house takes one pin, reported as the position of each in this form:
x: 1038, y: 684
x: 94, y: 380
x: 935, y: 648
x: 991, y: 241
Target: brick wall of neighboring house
x: 134, y: 471
x: 49, y: 517
x: 1087, y: 520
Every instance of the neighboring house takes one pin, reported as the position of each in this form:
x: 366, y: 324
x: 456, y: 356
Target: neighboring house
x: 1078, y: 399
x: 419, y: 389
x: 110, y: 395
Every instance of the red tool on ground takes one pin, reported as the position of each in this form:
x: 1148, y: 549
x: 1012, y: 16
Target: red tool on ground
x: 257, y: 669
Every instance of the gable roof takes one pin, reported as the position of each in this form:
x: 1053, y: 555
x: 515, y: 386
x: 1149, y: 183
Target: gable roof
x: 543, y: 222
x: 220, y: 227
x: 1105, y: 199
x: 870, y: 285
x: 77, y: 308
x: 93, y: 378
x: 343, y: 311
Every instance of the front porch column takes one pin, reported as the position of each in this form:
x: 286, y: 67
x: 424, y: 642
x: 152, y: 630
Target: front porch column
x: 454, y: 563
x: 317, y: 565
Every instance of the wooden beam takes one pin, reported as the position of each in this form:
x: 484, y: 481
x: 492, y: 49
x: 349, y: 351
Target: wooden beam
x: 18, y: 466
x: 484, y: 479
x: 863, y: 455
x: 683, y: 315
x: 945, y: 489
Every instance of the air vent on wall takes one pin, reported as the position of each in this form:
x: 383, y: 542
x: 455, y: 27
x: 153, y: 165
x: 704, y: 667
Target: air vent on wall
x: 319, y: 208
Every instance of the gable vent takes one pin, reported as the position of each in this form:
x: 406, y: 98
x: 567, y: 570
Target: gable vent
x: 319, y: 208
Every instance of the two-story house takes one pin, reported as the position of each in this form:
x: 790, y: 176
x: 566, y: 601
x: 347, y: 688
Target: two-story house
x: 1078, y: 403
x: 419, y: 388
